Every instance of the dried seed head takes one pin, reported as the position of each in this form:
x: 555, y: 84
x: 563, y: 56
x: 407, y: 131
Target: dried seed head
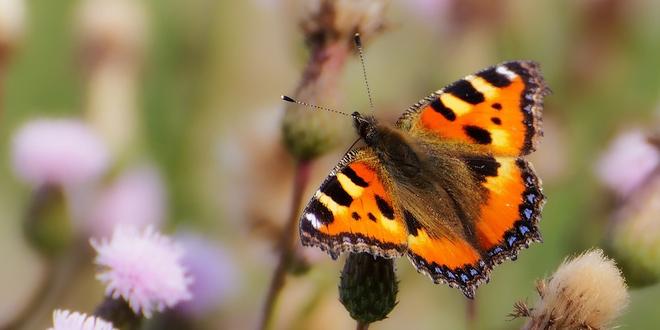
x: 368, y: 287
x: 587, y: 292
x: 331, y: 20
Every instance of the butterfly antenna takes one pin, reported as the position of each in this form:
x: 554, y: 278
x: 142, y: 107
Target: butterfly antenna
x: 358, y: 45
x: 289, y: 99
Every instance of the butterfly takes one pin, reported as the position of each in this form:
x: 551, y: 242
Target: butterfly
x: 447, y: 185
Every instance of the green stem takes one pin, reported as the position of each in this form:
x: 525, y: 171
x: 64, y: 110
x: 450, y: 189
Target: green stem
x: 287, y: 240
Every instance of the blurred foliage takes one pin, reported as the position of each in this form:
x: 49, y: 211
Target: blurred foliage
x: 213, y: 75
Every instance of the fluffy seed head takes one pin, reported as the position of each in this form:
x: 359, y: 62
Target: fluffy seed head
x: 65, y: 320
x: 144, y: 268
x: 587, y: 292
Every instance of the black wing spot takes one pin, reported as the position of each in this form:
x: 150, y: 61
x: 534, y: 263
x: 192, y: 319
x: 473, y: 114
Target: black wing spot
x: 496, y: 106
x: 494, y: 78
x: 356, y: 179
x: 440, y: 108
x: 322, y: 213
x: 482, y: 167
x: 335, y: 191
x: 411, y: 223
x: 356, y: 216
x: 496, y: 121
x: 384, y: 207
x: 464, y: 90
x: 478, y: 134
x: 371, y: 217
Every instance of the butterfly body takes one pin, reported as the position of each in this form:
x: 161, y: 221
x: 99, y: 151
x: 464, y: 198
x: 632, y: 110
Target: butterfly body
x: 445, y: 185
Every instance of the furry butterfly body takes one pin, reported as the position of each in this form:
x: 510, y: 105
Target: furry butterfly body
x: 447, y: 185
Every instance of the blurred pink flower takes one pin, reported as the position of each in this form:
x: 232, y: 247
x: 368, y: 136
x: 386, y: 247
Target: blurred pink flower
x: 137, y: 197
x: 214, y: 273
x: 628, y: 162
x: 144, y: 268
x: 430, y: 10
x: 58, y: 151
x: 65, y: 320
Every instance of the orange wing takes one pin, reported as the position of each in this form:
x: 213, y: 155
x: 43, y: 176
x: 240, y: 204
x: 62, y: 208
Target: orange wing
x: 451, y: 260
x: 353, y: 211
x: 498, y: 108
x: 508, y: 221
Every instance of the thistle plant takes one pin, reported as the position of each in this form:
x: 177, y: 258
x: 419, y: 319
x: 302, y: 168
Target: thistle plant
x: 586, y: 292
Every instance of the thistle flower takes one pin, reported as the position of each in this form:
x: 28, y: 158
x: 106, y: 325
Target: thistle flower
x: 215, y: 274
x: 587, y: 292
x: 136, y: 197
x: 144, y: 268
x: 628, y: 162
x: 66, y: 320
x: 61, y: 152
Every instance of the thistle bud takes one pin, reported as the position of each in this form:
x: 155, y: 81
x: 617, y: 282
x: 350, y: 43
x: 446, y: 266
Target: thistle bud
x: 368, y: 287
x: 47, y: 224
x: 329, y: 28
x: 635, y: 235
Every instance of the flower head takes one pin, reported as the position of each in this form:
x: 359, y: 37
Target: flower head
x: 58, y: 151
x: 214, y: 271
x: 628, y: 162
x: 144, y: 268
x: 136, y: 197
x: 65, y: 320
x: 587, y: 292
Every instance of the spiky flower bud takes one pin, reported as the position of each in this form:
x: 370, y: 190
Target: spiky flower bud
x: 368, y: 287
x: 587, y: 292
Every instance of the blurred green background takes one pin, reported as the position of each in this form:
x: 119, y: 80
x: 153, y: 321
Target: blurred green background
x: 209, y: 117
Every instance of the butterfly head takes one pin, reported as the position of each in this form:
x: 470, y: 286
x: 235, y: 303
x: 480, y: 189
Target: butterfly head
x: 365, y: 126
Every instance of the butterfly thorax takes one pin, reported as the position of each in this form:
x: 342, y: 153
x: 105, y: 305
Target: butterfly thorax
x: 391, y: 145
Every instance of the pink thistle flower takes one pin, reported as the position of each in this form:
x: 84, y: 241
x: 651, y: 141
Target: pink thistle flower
x: 65, y: 320
x: 144, y: 268
x: 628, y: 162
x: 58, y: 151
x: 214, y: 272
x: 137, y: 197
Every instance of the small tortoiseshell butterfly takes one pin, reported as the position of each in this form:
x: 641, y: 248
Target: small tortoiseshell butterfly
x: 447, y: 185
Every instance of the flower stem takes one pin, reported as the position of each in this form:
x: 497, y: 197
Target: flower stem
x: 287, y: 239
x: 471, y: 314
x: 362, y: 326
x: 45, y: 285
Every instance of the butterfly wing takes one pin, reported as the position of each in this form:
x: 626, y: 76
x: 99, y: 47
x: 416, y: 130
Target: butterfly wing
x: 492, y: 117
x: 498, y: 108
x: 354, y: 211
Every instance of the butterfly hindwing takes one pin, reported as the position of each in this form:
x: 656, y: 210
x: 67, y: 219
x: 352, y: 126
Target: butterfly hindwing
x: 498, y: 108
x: 353, y: 211
x: 447, y: 259
x: 508, y: 218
